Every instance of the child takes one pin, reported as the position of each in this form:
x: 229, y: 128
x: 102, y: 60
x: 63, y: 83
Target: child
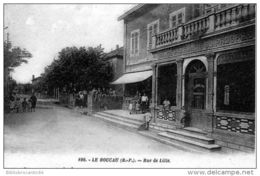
x: 24, y: 105
x: 17, y: 105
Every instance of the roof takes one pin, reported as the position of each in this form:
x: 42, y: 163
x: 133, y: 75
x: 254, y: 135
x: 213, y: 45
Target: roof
x: 130, y: 11
x: 37, y: 78
x: 115, y: 53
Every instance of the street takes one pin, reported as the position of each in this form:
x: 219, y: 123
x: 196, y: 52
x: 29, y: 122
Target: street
x: 62, y: 131
x: 59, y: 137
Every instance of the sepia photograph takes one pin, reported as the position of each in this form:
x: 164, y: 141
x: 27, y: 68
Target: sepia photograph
x: 158, y: 86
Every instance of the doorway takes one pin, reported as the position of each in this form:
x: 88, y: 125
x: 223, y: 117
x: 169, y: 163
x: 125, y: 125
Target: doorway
x: 195, y: 94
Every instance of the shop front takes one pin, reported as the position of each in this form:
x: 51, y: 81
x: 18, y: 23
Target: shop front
x: 214, y: 93
x: 136, y: 84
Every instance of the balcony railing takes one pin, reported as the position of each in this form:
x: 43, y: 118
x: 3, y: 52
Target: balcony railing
x: 209, y: 23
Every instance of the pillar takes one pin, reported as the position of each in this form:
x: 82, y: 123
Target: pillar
x: 210, y: 59
x: 154, y: 92
x: 210, y: 92
x: 179, y: 84
x: 180, y: 33
x: 180, y: 112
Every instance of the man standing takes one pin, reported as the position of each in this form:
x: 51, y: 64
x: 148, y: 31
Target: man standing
x: 144, y: 102
x: 33, y: 101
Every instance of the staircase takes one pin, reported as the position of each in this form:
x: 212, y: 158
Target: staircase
x: 187, y: 139
x: 191, y: 138
x: 118, y: 120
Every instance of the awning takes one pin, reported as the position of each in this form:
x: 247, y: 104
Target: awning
x: 133, y: 77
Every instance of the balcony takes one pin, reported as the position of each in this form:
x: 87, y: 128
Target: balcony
x: 216, y: 21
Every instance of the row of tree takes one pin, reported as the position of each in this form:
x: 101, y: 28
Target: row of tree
x: 13, y: 57
x: 76, y: 69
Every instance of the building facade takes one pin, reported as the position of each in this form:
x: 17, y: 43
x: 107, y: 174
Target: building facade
x: 200, y: 57
x: 115, y: 59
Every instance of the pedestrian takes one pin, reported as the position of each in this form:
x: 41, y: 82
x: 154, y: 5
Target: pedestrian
x: 81, y: 98
x: 144, y: 103
x: 147, y: 120
x: 33, y: 101
x: 24, y: 105
x: 12, y: 102
x: 17, y: 104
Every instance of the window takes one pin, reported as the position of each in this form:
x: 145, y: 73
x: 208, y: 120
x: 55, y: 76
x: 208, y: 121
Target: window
x: 177, y: 18
x: 167, y: 83
x: 134, y: 42
x: 152, y: 29
x: 236, y: 86
x: 209, y: 8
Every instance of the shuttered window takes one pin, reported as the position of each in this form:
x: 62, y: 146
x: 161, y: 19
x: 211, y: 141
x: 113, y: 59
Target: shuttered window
x: 152, y: 29
x: 134, y: 45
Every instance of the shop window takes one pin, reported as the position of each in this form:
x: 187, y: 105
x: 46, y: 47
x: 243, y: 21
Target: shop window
x: 236, y: 86
x: 167, y: 83
x: 132, y: 89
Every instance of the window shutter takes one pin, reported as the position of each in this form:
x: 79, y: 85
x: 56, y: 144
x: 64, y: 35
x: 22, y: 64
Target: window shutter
x: 136, y: 44
x: 150, y: 33
x: 180, y: 18
x: 155, y: 29
x: 132, y: 43
x: 174, y: 21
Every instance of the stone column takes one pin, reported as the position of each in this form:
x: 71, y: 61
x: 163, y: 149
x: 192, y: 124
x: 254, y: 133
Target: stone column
x: 153, y: 42
x: 180, y: 33
x: 179, y: 84
x: 210, y: 59
x: 180, y: 113
x: 211, y: 22
x: 154, y: 92
x: 210, y: 92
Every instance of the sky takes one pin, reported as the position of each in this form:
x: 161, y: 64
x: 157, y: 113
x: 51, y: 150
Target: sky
x: 44, y: 29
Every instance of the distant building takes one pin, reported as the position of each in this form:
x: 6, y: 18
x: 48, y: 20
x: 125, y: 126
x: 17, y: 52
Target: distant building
x: 201, y: 57
x: 35, y: 80
x: 115, y: 58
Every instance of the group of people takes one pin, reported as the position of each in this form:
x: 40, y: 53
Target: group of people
x: 18, y: 104
x: 81, y: 99
x: 101, y: 92
x: 140, y: 103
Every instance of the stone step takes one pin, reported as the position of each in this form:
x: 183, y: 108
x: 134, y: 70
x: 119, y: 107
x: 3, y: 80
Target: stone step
x: 153, y: 126
x: 150, y: 134
x: 117, y: 123
x: 192, y: 136
x: 120, y: 118
x: 183, y: 140
x: 158, y: 127
x: 176, y: 145
x: 190, y: 143
x: 195, y: 130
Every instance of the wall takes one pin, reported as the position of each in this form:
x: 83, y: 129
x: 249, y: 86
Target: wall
x: 141, y: 20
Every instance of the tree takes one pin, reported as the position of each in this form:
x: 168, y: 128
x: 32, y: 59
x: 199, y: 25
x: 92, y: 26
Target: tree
x: 80, y: 68
x: 14, y: 56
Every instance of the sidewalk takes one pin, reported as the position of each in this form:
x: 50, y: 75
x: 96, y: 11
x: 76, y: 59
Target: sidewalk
x: 126, y: 113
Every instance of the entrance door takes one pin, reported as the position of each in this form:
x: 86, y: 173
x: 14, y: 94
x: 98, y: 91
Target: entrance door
x: 195, y: 100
